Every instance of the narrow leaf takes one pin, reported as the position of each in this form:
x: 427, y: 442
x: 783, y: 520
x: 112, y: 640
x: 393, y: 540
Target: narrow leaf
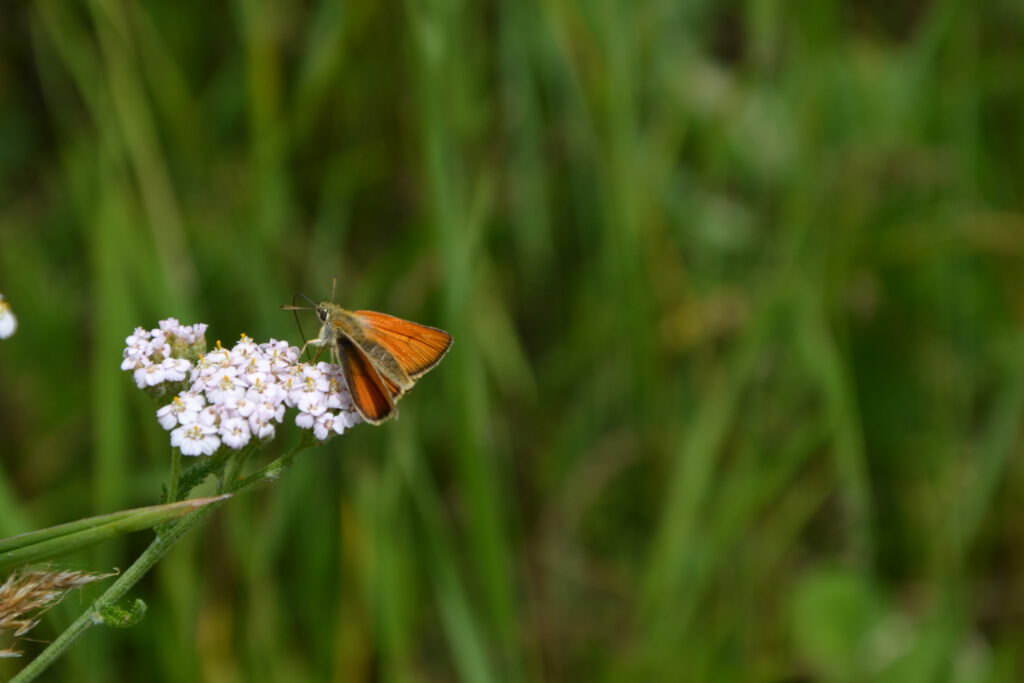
x: 45, y: 544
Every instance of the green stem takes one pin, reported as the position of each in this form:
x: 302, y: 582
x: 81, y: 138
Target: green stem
x: 156, y: 550
x: 172, y: 488
x: 233, y: 467
x: 273, y: 470
x: 150, y: 556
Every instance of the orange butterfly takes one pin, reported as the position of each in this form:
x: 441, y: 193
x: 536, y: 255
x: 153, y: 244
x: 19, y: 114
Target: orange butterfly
x: 381, y: 356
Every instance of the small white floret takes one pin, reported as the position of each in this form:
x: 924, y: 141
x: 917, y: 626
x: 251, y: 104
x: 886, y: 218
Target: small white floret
x: 168, y: 415
x: 326, y: 424
x: 183, y: 409
x: 153, y: 375
x: 235, y: 432
x: 195, y: 439
x: 261, y: 429
x: 175, y: 369
x: 169, y: 326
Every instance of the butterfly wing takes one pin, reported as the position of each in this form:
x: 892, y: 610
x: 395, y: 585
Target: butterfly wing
x: 417, y: 348
x: 394, y: 390
x: 370, y: 393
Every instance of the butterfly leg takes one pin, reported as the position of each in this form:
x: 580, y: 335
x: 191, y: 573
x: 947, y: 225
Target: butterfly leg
x: 318, y: 342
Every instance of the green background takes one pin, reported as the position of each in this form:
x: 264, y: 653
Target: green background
x: 735, y: 288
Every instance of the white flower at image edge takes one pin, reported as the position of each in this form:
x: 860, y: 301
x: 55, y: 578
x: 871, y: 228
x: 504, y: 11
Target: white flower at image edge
x: 8, y: 323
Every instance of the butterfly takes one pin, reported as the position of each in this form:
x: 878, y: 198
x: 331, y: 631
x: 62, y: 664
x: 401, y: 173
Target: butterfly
x: 381, y: 356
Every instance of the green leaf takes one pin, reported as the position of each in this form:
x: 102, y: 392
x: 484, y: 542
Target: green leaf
x: 55, y: 541
x: 195, y: 475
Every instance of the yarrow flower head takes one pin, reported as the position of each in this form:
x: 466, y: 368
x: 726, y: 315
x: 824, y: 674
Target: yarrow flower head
x: 8, y: 323
x: 228, y: 397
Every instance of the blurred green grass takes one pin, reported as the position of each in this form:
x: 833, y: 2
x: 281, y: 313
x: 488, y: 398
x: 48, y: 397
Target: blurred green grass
x: 735, y: 287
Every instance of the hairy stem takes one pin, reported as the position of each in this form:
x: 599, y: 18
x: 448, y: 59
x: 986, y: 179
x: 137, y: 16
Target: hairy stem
x: 172, y: 487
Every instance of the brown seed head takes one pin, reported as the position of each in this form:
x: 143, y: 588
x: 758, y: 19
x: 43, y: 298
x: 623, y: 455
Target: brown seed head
x: 35, y: 590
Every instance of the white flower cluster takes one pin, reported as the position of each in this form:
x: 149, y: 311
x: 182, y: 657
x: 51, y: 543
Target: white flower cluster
x: 239, y: 394
x: 151, y: 358
x: 8, y: 323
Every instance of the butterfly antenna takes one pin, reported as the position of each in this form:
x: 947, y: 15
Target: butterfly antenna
x: 295, y: 312
x: 334, y: 285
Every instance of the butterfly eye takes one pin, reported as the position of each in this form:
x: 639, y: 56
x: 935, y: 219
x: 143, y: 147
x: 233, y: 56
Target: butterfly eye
x: 322, y: 312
